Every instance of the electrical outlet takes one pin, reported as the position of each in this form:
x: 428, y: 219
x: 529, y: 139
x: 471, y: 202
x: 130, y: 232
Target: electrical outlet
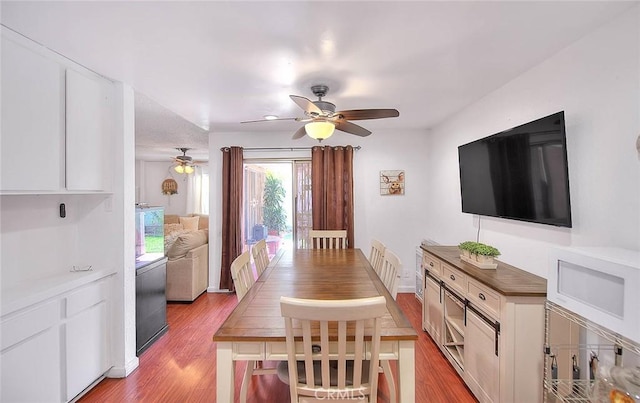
x: 108, y: 204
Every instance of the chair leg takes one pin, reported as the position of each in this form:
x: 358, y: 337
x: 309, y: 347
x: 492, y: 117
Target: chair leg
x: 386, y: 368
x: 245, y: 380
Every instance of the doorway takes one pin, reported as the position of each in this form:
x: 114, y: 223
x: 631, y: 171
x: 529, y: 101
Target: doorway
x: 277, y: 203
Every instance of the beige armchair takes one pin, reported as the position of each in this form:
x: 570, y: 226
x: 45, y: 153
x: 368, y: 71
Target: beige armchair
x: 188, y: 276
x: 188, y: 260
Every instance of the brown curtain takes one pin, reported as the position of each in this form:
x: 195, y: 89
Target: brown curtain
x: 332, y: 189
x: 231, y: 212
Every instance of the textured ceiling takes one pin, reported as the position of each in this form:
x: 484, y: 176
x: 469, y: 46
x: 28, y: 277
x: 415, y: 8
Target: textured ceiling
x: 219, y: 63
x: 159, y: 131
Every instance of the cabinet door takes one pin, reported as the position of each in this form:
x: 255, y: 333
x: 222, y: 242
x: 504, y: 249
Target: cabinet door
x: 85, y: 103
x: 32, y: 141
x: 433, y: 310
x: 86, y: 347
x: 31, y: 370
x: 30, y: 361
x: 482, y: 365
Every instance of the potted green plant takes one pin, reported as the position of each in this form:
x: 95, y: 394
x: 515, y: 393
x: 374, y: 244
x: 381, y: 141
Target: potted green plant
x: 466, y: 247
x: 484, y: 254
x: 274, y: 216
x: 478, y: 254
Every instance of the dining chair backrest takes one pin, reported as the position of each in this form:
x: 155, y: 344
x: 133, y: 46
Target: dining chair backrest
x: 260, y: 256
x: 323, y: 372
x: 328, y: 239
x: 390, y: 272
x: 376, y: 257
x: 242, y: 274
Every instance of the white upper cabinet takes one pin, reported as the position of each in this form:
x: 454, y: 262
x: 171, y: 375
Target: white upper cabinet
x: 32, y: 138
x: 55, y: 121
x: 85, y: 103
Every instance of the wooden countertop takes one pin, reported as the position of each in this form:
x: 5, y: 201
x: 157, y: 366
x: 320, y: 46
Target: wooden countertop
x: 506, y: 279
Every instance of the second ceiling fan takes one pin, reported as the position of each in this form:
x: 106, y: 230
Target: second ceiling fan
x: 184, y: 163
x: 322, y: 118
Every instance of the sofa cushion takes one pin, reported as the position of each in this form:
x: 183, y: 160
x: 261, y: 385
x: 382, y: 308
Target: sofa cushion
x: 189, y: 223
x: 185, y: 242
x: 171, y: 237
x: 171, y: 228
x: 171, y: 219
x: 203, y: 221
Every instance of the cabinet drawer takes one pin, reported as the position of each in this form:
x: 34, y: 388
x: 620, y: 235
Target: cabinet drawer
x: 484, y: 298
x: 454, y: 278
x: 432, y: 264
x: 85, y: 298
x: 29, y: 323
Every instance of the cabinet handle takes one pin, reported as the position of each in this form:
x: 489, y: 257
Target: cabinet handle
x: 431, y: 264
x: 452, y: 277
x: 482, y: 297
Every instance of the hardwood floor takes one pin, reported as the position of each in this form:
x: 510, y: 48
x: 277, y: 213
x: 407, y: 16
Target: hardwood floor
x: 181, y: 365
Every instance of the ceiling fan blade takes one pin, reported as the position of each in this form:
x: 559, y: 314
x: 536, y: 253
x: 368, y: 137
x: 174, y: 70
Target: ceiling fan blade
x: 362, y: 114
x: 306, y: 104
x: 269, y: 120
x: 352, y: 128
x: 300, y: 133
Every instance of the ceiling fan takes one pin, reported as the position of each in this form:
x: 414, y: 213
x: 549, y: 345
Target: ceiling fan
x: 184, y: 163
x: 322, y: 119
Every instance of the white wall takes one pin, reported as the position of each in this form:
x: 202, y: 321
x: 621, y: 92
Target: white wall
x: 596, y: 82
x: 149, y: 178
x: 392, y: 219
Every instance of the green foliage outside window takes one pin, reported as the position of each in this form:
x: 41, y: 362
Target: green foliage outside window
x: 275, y: 218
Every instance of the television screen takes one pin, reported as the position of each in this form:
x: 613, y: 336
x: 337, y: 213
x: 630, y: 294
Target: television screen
x: 520, y: 173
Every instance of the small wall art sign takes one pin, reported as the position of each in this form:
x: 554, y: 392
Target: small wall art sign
x: 392, y: 183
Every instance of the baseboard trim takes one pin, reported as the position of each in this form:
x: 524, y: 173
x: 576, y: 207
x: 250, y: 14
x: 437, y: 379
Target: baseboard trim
x: 407, y: 289
x: 123, y: 372
x: 218, y: 290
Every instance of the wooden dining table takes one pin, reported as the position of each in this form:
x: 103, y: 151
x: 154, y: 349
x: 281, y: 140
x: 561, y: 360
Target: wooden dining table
x: 255, y: 331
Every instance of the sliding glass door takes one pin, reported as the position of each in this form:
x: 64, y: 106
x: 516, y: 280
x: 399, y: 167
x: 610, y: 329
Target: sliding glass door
x: 277, y: 203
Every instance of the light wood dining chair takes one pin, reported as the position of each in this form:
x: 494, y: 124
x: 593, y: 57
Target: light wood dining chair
x: 242, y: 274
x: 376, y: 257
x: 260, y: 256
x: 243, y: 279
x: 390, y: 272
x: 328, y: 239
x: 322, y: 373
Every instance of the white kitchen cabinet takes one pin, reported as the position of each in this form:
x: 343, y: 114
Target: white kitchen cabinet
x: 30, y: 357
x: 86, y: 341
x: 54, y: 121
x: 34, y: 366
x: 32, y: 141
x: 491, y: 324
x: 85, y: 103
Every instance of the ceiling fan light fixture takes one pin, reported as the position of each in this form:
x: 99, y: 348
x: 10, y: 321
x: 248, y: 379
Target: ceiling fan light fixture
x: 179, y: 169
x: 319, y: 130
x: 188, y: 169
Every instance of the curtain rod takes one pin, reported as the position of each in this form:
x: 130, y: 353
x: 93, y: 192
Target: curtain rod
x: 283, y: 148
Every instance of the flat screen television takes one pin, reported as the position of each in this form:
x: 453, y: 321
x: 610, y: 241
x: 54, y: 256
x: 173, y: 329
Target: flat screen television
x: 520, y: 173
